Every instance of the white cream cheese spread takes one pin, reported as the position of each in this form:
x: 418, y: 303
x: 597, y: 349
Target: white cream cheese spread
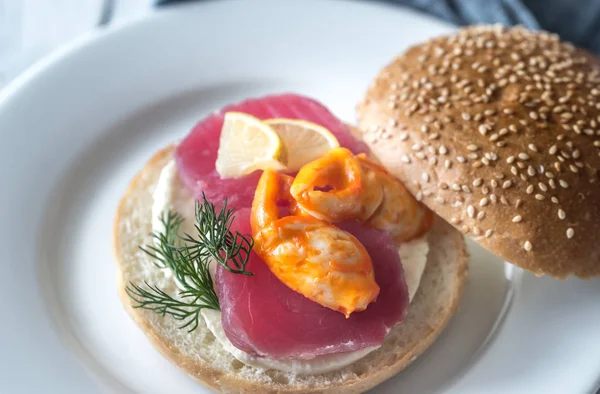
x: 171, y: 194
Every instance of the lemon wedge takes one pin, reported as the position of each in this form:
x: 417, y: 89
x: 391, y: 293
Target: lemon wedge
x: 302, y: 140
x: 247, y: 145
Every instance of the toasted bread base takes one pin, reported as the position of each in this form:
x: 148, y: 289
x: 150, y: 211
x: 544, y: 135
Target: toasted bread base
x: 203, y: 358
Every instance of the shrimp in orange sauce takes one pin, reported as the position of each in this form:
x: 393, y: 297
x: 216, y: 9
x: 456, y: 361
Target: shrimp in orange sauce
x: 336, y: 188
x: 310, y: 256
x: 360, y: 189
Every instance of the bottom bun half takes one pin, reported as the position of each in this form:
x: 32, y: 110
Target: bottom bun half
x: 201, y: 356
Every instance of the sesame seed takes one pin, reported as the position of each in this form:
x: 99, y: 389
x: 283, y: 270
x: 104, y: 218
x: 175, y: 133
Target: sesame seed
x: 483, y: 129
x: 403, y: 137
x: 561, y: 214
x: 464, y: 229
x: 530, y: 171
x: 527, y: 246
x: 483, y: 202
x: 597, y: 143
x: 554, y: 200
x: 443, y: 185
x: 471, y: 211
x: 448, y: 164
x: 514, y: 170
x: 510, y: 159
x: 440, y: 200
x: 501, y: 144
x: 540, y: 197
x: 472, y: 147
x: 455, y: 221
x: 420, y: 155
x: 476, y: 231
x: 552, y: 183
x: 489, y: 233
x: 529, y: 189
x: 477, y: 164
x: 494, y: 137
x: 442, y: 150
x: 570, y: 233
x: 573, y: 168
x: 417, y: 147
x: 566, y: 115
x: 455, y: 187
x: 507, y: 184
x: 477, y: 182
x: 549, y: 174
x: 466, y: 189
x: 563, y: 184
x: 433, y: 136
x: 558, y: 166
x: 523, y: 156
x: 461, y: 159
x: 424, y: 128
x: 473, y: 156
x: 543, y: 186
x: 480, y: 215
x: 532, y: 147
x: 553, y: 149
x: 405, y: 159
x: 425, y: 177
x: 576, y: 154
x: 503, y: 200
x: 466, y: 116
x: 517, y: 219
x: 419, y: 196
x: 518, y: 203
x: 493, y: 198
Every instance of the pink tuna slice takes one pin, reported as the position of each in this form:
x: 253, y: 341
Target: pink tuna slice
x: 260, y: 315
x: 264, y: 317
x: 197, y: 153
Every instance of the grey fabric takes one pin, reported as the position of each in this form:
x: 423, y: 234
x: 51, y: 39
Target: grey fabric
x: 577, y: 21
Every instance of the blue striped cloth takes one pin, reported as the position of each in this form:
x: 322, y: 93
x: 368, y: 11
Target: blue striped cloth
x: 577, y: 21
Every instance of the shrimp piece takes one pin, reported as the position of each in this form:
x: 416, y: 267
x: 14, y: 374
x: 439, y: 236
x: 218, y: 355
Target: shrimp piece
x: 335, y: 188
x: 361, y: 190
x: 400, y: 214
x: 310, y: 256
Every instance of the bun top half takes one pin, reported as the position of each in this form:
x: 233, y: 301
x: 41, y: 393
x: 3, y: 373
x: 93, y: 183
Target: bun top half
x: 498, y: 131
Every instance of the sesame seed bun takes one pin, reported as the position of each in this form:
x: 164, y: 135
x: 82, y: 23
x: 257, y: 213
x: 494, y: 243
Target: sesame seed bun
x: 498, y: 131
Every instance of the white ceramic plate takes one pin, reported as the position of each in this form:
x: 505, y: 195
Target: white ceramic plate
x: 76, y: 127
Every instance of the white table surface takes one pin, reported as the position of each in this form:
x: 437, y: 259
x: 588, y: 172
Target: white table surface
x: 30, y: 29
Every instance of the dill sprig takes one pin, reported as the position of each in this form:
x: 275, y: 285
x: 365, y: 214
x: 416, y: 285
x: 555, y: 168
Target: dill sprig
x: 215, y: 239
x: 189, y: 258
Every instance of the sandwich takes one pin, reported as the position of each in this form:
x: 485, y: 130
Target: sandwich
x: 277, y: 249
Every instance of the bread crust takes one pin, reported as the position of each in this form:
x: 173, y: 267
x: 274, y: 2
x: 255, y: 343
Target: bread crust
x: 498, y: 131
x: 428, y: 316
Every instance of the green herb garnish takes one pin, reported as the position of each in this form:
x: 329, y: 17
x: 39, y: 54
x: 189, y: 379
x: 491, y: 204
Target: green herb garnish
x: 189, y: 258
